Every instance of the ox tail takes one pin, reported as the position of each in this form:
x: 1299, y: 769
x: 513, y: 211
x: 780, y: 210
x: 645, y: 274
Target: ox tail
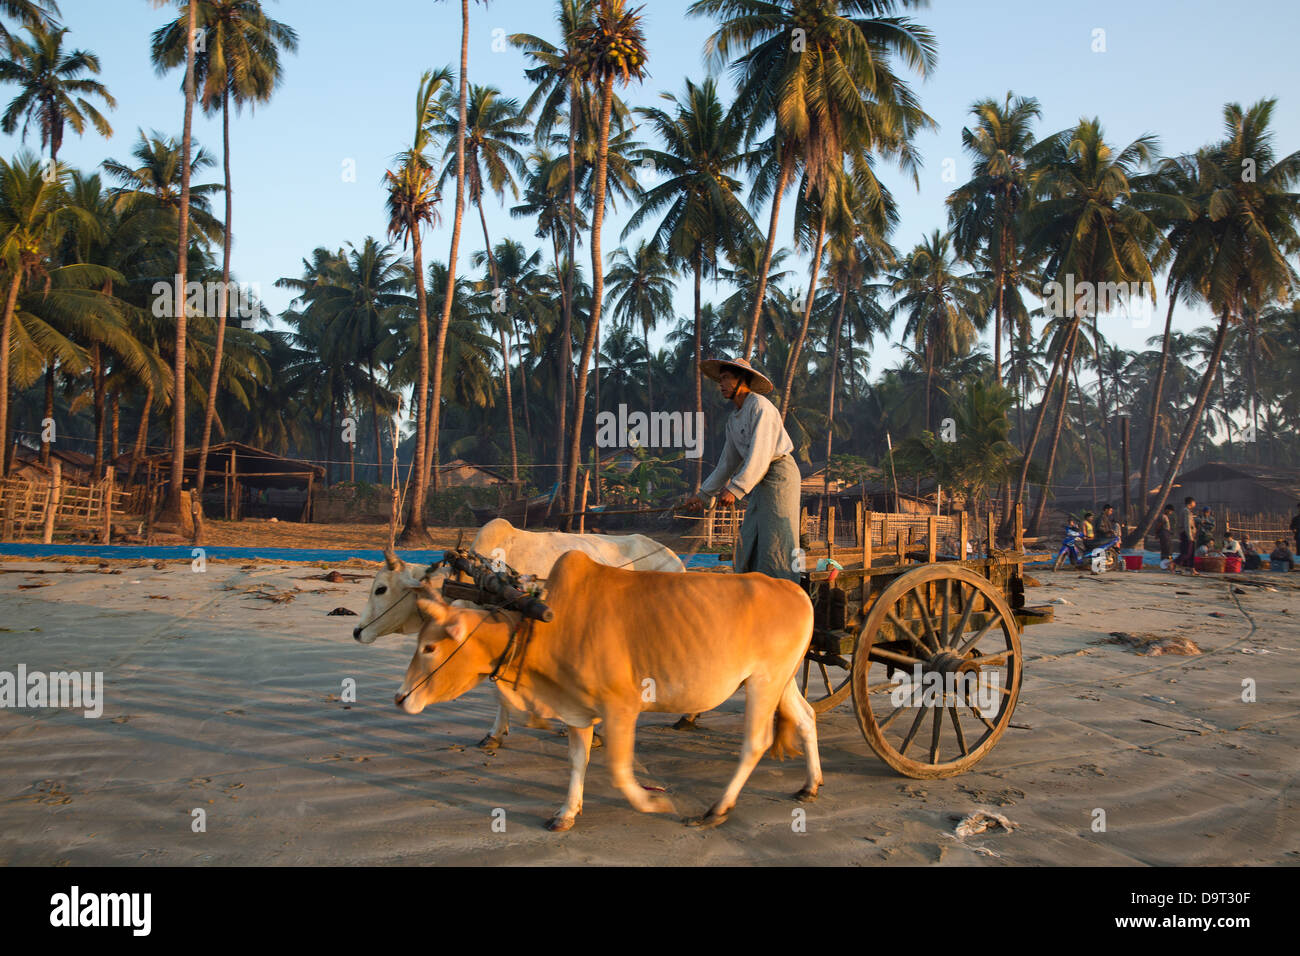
x: 785, y: 737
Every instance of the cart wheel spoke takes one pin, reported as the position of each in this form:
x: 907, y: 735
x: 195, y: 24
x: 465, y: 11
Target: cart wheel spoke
x: 916, y: 725
x: 965, y: 648
x: 956, y: 726
x: 907, y: 632
x: 934, y: 736
x: 931, y: 641
x: 967, y: 608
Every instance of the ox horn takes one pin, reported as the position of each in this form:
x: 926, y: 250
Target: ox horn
x: 391, y: 559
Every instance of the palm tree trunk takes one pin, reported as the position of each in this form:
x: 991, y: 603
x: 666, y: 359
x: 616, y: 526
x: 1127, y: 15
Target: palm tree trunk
x: 505, y: 350
x: 597, y: 292
x: 173, y: 507
x: 374, y: 417
x: 97, y: 384
x: 699, y: 384
x: 1189, y: 430
x: 1067, y: 366
x: 223, y: 307
x: 830, y: 398
x: 649, y: 369
x: 49, y: 408
x: 415, y: 532
x: 566, y: 339
x: 142, y: 434
x: 6, y: 326
x: 1038, y: 422
x: 782, y: 180
x: 435, y: 410
x: 792, y: 366
x: 1144, y: 492
x: 1083, y: 424
x: 114, y: 404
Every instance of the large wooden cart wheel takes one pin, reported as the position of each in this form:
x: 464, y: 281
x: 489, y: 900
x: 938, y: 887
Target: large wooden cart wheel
x: 954, y: 630
x: 824, y: 684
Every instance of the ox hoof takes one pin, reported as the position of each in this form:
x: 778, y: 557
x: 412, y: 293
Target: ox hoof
x: 708, y: 821
x: 806, y: 796
x: 686, y: 723
x: 559, y: 824
x: 489, y: 742
x: 597, y: 741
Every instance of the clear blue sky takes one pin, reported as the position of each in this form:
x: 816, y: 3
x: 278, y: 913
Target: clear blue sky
x: 348, y: 94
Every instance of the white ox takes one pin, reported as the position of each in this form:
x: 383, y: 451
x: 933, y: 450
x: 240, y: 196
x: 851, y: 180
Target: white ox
x: 391, y: 608
x: 623, y: 643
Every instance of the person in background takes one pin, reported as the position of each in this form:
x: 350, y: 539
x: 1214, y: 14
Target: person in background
x: 1165, y: 531
x: 1088, y: 532
x: 1251, y: 560
x: 1232, y: 547
x: 1205, y: 529
x: 1295, y: 527
x: 1281, y: 558
x: 1187, y: 536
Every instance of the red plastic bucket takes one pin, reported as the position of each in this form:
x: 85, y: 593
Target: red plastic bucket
x: 1133, y: 562
x: 1231, y: 564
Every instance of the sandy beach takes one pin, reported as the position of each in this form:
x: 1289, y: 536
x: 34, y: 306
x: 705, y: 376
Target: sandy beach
x: 219, y: 697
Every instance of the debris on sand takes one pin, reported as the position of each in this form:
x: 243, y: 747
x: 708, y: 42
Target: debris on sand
x: 1153, y: 645
x: 341, y: 612
x: 981, y: 821
x: 336, y: 577
x: 1031, y: 582
x: 265, y: 593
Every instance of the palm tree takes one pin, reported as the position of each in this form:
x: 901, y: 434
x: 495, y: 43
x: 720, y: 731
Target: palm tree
x: 492, y: 133
x: 820, y: 72
x: 412, y: 201
x: 641, y: 289
x: 984, y: 212
x: 611, y: 46
x: 559, y: 78
x: 155, y: 182
x: 239, y: 62
x: 444, y: 322
x: 173, y: 503
x: 698, y: 193
x: 31, y: 13
x: 32, y: 213
x: 1092, y: 224
x: 52, y: 90
x: 943, y: 309
x: 1246, y: 214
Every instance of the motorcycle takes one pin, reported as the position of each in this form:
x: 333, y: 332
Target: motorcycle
x: 1071, y: 547
x: 1103, y: 557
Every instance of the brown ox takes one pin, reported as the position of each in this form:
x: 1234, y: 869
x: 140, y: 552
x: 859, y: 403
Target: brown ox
x: 624, y: 642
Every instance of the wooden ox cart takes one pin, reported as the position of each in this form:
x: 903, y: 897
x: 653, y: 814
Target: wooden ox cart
x: 927, y: 645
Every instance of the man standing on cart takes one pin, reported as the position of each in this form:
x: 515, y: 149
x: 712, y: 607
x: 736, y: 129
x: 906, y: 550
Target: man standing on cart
x: 756, y: 463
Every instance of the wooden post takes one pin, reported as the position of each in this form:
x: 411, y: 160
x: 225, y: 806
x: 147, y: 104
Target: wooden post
x: 866, y: 556
x: 866, y: 539
x: 830, y: 532
x: 963, y: 529
x: 932, y: 536
x: 52, y: 503
x: 898, y: 539
x: 108, y: 505
x: 582, y: 514
x: 992, y: 530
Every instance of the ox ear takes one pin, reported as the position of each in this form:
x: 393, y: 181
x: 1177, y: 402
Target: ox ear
x: 391, y: 559
x: 431, y: 609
